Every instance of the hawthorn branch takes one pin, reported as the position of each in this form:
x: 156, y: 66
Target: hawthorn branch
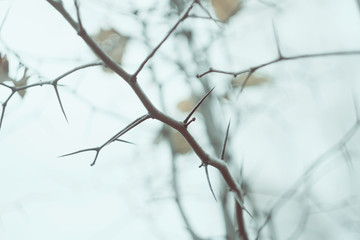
x: 153, y: 112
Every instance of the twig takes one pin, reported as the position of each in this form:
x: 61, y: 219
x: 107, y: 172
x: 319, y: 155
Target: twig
x: 163, y: 40
x: 90, y: 42
x: 112, y: 139
x: 277, y: 41
x: 197, y: 106
x: 5, y: 104
x: 5, y: 17
x: 235, y: 74
x: 152, y: 110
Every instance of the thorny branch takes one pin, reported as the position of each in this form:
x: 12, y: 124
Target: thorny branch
x: 112, y: 139
x: 153, y: 112
x: 54, y: 83
x: 280, y: 59
x: 181, y: 126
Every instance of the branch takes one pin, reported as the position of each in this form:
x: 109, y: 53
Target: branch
x: 90, y: 42
x: 164, y: 39
x: 53, y: 82
x: 186, y: 121
x: 308, y: 172
x: 153, y: 112
x: 112, y: 139
x: 235, y: 74
x: 5, y: 17
x: 5, y: 104
x: 277, y: 41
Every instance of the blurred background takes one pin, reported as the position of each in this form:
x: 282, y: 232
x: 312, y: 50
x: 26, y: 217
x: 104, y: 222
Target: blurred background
x: 293, y: 140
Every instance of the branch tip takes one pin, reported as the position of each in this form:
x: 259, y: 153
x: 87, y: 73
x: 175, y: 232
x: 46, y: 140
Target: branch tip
x: 59, y: 100
x: 208, y: 180
x: 197, y: 106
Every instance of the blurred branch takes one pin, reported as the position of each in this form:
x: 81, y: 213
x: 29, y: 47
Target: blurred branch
x: 174, y: 173
x: 308, y: 172
x: 5, y: 17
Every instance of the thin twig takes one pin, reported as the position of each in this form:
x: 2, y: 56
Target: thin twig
x: 112, y: 139
x: 197, y: 106
x: 163, y: 40
x: 59, y: 100
x: 307, y: 173
x: 5, y: 17
x: 277, y: 41
x: 235, y: 74
x: 90, y: 42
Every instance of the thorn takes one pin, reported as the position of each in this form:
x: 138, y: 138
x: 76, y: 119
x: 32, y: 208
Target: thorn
x: 197, y: 105
x: 124, y: 141
x: 208, y: 179
x: 225, y: 141
x: 58, y: 97
x: 192, y: 120
x: 2, y: 115
x: 277, y: 40
x: 246, y: 80
x: 97, y: 154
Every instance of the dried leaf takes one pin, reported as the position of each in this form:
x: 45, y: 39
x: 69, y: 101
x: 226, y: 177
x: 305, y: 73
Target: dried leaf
x: 225, y: 9
x: 4, y: 69
x: 186, y: 105
x: 113, y: 43
x: 22, y: 82
x: 254, y: 80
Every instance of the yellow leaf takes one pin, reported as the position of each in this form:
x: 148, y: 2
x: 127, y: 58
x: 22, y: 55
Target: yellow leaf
x: 225, y: 9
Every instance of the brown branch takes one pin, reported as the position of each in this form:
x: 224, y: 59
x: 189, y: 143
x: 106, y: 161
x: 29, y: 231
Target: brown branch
x: 196, y: 107
x: 89, y: 41
x: 314, y: 55
x: 163, y: 40
x: 153, y: 112
x: 112, y: 139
